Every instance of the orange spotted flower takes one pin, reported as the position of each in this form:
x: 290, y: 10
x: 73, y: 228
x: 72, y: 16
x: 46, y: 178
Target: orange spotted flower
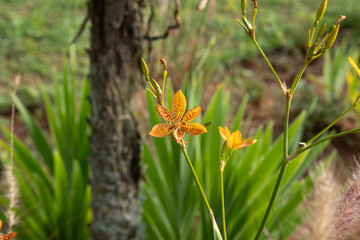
x: 233, y: 140
x: 178, y: 123
x: 7, y: 236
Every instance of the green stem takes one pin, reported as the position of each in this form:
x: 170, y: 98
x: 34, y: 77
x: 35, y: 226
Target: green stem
x: 330, y: 125
x: 223, y: 202
x: 301, y: 150
x: 196, y: 179
x: 297, y: 78
x: 215, y: 227
x: 282, y: 170
x: 267, y: 61
x: 286, y: 128
x: 262, y: 226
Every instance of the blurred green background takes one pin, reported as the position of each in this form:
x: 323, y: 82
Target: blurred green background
x: 36, y: 35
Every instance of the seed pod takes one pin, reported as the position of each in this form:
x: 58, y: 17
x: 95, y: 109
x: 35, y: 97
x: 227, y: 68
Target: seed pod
x: 321, y: 10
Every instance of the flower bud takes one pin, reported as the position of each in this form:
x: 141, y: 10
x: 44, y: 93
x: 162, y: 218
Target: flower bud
x: 144, y: 68
x: 333, y: 32
x: 332, y: 37
x: 321, y: 10
x: 321, y: 31
x: 243, y: 4
x: 157, y: 88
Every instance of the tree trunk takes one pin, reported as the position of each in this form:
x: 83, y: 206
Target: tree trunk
x: 116, y: 34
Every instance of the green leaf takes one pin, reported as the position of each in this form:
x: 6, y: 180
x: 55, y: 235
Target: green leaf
x: 36, y: 134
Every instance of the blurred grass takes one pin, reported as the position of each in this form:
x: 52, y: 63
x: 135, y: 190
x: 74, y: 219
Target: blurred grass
x: 35, y: 35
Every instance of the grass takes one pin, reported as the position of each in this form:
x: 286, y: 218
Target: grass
x: 35, y: 37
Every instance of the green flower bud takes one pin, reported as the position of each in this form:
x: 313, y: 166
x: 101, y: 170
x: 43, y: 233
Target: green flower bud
x: 321, y: 31
x: 332, y: 37
x: 332, y: 27
x: 321, y: 10
x: 157, y: 88
x: 144, y: 68
x: 316, y: 23
x: 243, y: 4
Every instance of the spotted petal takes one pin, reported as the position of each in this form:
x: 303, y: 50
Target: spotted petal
x: 353, y: 64
x: 193, y: 128
x: 8, y: 236
x: 178, y: 105
x: 161, y: 130
x: 178, y: 135
x: 164, y: 113
x: 191, y: 114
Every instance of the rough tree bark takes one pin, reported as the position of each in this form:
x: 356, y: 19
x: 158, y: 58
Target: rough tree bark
x: 116, y: 34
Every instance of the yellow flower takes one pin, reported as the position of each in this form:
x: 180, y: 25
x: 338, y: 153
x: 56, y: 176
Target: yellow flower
x: 353, y: 64
x: 233, y: 140
x: 7, y: 236
x: 178, y: 122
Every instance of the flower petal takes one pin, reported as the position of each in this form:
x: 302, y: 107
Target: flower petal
x: 164, y: 113
x: 353, y: 64
x: 161, y: 130
x: 8, y: 236
x: 245, y: 144
x: 178, y: 105
x: 191, y: 114
x: 224, y: 133
x: 234, y: 140
x: 178, y: 135
x: 193, y: 128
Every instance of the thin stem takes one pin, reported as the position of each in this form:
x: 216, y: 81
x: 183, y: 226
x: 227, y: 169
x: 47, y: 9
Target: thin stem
x: 267, y: 61
x: 286, y: 128
x: 262, y: 226
x: 196, y: 179
x: 330, y: 125
x: 242, y: 25
x: 282, y: 170
x: 151, y: 93
x: 301, y: 150
x: 297, y: 78
x: 223, y: 201
x: 213, y: 221
x: 312, y: 34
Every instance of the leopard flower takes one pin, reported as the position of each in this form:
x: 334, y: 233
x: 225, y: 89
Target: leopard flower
x: 233, y: 140
x: 178, y: 123
x: 7, y: 236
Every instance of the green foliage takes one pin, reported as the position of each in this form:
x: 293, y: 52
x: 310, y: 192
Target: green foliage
x: 173, y: 208
x: 336, y: 65
x: 52, y: 176
x: 34, y: 37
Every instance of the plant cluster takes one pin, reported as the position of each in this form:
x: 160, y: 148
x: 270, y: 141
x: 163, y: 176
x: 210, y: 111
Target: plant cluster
x: 317, y: 45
